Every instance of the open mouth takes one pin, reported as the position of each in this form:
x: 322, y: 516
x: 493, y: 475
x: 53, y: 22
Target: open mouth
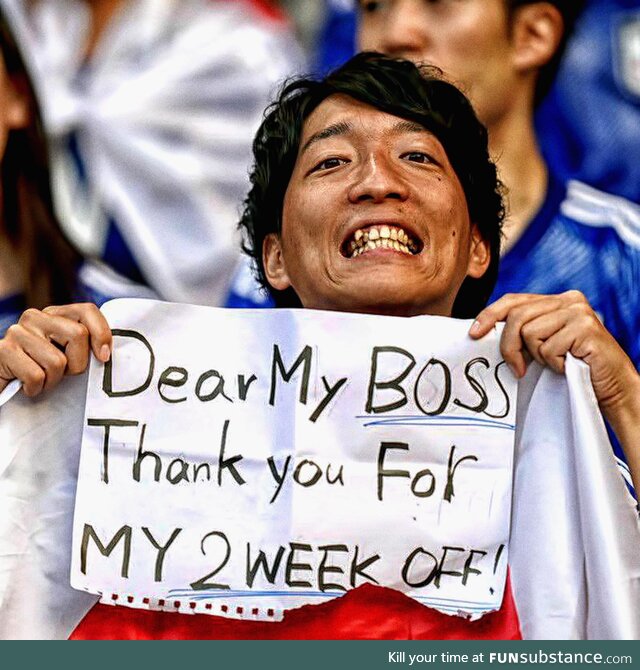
x: 385, y: 236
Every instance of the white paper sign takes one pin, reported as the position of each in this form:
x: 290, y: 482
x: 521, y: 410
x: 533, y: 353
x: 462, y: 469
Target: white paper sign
x: 247, y: 462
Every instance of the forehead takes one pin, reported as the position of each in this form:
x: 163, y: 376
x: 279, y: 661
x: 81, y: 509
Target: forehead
x: 342, y: 116
x: 421, y: 9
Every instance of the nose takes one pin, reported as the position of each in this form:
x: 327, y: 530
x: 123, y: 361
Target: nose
x: 400, y: 32
x: 378, y: 180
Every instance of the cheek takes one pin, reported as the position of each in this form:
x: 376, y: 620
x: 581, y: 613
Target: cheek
x: 306, y: 219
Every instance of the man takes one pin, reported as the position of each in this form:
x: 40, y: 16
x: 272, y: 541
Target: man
x: 372, y: 192
x: 504, y: 54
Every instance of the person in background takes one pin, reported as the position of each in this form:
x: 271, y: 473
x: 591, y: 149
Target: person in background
x: 558, y: 235
x: 38, y: 266
x: 150, y: 107
x: 587, y: 124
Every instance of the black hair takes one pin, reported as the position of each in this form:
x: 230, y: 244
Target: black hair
x: 570, y: 11
x: 398, y: 87
x: 28, y: 220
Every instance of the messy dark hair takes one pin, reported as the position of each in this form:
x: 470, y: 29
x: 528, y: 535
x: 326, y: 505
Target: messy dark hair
x: 28, y: 220
x: 570, y: 11
x: 397, y: 87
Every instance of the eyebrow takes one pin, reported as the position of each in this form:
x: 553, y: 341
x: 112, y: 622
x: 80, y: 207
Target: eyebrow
x: 343, y: 127
x: 409, y: 126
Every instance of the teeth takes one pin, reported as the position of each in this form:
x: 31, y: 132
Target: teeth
x: 382, y: 237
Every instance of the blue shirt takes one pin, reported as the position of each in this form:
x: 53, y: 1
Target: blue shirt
x: 95, y: 283
x: 586, y: 240
x: 10, y: 309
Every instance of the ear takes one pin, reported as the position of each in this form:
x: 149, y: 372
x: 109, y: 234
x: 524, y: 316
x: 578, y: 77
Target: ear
x: 536, y: 33
x: 273, y: 261
x: 479, y: 254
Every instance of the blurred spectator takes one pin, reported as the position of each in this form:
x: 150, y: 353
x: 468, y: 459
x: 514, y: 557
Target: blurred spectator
x: 337, y: 37
x: 150, y: 107
x: 38, y: 266
x: 589, y: 124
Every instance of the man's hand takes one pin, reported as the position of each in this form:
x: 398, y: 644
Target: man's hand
x: 46, y: 345
x: 549, y: 327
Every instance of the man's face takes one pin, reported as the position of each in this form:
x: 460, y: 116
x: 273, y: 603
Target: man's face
x: 375, y: 219
x: 468, y: 39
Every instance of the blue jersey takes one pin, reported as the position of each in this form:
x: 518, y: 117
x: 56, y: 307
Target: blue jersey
x: 586, y: 240
x: 589, y: 124
x: 10, y: 309
x: 590, y: 241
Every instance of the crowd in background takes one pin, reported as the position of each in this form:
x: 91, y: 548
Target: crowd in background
x: 141, y: 114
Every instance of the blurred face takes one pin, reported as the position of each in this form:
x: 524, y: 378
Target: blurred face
x: 375, y: 219
x: 13, y: 108
x: 468, y: 39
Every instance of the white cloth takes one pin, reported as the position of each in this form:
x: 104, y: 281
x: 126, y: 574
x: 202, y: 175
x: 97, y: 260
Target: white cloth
x: 574, y: 549
x: 164, y: 115
x: 575, y: 537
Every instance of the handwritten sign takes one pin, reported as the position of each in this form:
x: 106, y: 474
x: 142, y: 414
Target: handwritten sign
x: 248, y: 462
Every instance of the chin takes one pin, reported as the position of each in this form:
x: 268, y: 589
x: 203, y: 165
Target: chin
x: 394, y: 307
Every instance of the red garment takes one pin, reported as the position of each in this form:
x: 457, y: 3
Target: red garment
x: 268, y: 10
x: 366, y: 613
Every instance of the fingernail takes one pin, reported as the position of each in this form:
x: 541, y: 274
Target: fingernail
x: 517, y: 373
x: 475, y: 328
x: 105, y: 352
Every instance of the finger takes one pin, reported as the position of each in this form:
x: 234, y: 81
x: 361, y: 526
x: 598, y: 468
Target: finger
x: 538, y: 329
x: 527, y: 325
x: 93, y: 320
x: 554, y: 350
x: 18, y: 365
x: 499, y: 310
x: 42, y: 352
x: 71, y: 335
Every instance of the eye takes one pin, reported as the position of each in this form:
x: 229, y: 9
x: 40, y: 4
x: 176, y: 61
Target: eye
x: 329, y: 164
x: 371, y: 6
x: 418, y: 157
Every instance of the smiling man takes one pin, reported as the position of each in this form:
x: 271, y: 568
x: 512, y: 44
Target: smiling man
x: 372, y: 192
x: 387, y: 228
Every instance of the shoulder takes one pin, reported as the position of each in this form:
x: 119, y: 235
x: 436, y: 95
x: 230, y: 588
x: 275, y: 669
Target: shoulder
x: 599, y: 210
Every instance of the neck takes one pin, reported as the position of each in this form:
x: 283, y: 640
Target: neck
x: 522, y: 169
